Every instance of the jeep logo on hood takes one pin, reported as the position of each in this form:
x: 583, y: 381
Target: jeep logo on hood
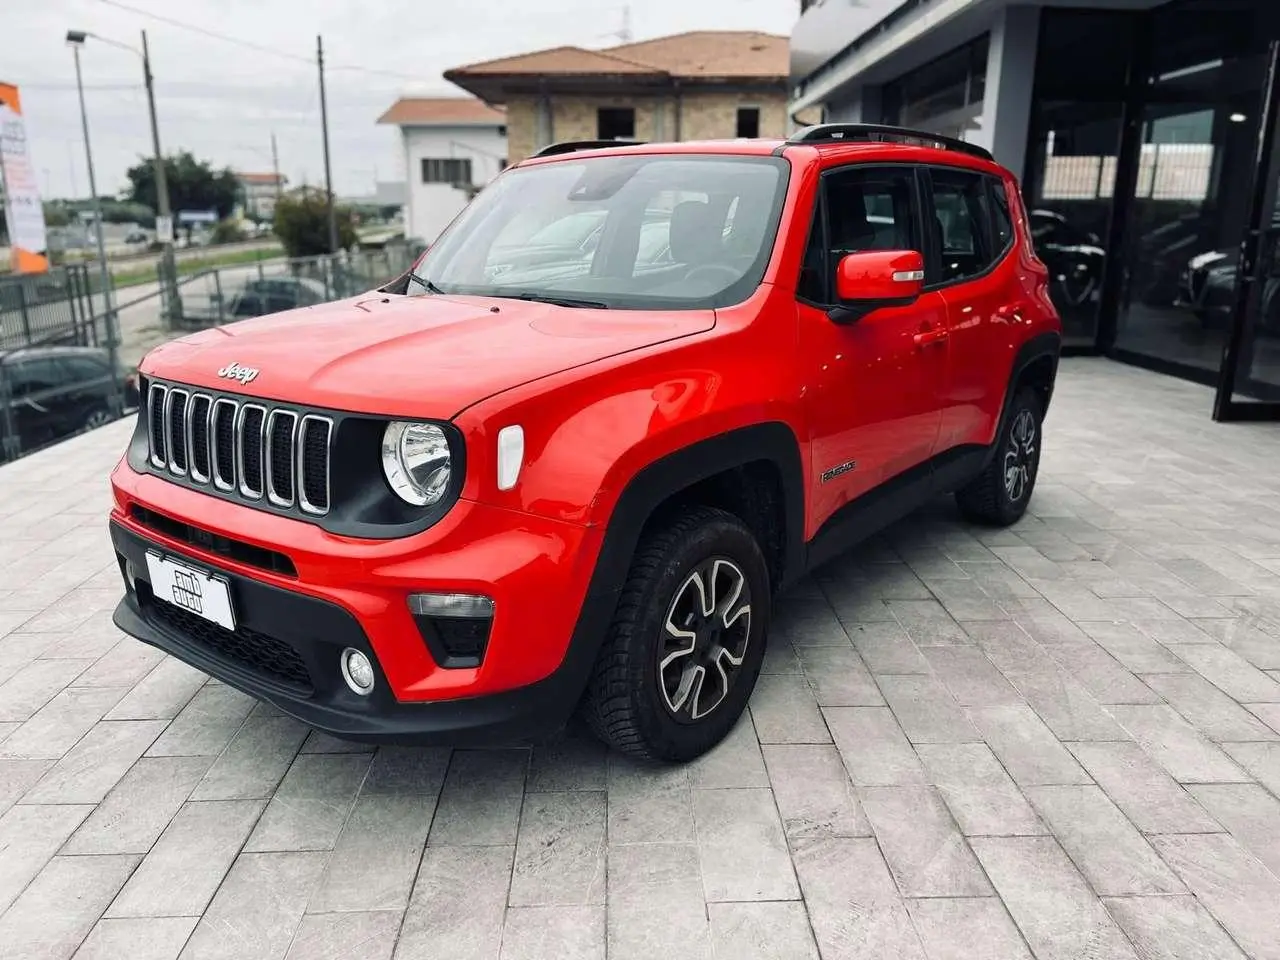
x: 233, y: 371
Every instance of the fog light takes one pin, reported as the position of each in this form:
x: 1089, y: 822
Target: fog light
x: 357, y: 671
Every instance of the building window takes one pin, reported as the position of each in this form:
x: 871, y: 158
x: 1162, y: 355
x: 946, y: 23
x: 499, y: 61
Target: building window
x: 748, y: 122
x: 446, y: 170
x: 616, y: 123
x: 944, y: 96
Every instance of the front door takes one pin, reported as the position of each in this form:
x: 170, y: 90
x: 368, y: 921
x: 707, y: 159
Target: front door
x: 873, y: 387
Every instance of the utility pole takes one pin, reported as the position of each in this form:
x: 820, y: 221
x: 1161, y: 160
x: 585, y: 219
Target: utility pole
x: 164, y: 215
x: 275, y: 167
x: 328, y: 177
x: 108, y: 298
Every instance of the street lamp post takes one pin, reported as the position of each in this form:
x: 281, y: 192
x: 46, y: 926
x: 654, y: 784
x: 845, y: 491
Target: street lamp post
x: 108, y: 295
x: 170, y: 304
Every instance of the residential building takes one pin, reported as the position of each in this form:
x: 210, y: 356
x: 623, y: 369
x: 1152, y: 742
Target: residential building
x: 1145, y: 136
x: 692, y: 86
x: 452, y: 147
x: 259, y: 192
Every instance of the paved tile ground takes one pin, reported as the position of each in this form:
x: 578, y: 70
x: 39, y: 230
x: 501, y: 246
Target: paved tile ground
x: 1057, y: 741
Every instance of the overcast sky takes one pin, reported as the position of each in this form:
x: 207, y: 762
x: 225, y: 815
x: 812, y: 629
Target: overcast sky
x: 223, y: 101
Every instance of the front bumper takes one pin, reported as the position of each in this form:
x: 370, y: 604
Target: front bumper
x: 305, y: 636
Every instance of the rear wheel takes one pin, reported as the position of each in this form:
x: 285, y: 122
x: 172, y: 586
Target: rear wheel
x: 999, y: 495
x: 687, y: 640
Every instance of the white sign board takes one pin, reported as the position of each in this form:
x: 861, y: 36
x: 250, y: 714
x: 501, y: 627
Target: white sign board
x: 164, y: 229
x: 24, y: 214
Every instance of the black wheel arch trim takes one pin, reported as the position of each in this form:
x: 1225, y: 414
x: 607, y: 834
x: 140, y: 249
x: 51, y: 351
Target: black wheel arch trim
x: 1037, y: 348
x: 772, y: 442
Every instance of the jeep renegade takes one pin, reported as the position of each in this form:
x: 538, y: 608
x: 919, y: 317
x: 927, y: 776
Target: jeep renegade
x: 567, y: 461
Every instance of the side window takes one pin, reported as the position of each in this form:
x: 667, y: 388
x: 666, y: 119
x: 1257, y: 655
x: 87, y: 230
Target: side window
x: 866, y: 208
x: 34, y: 376
x: 960, y: 247
x: 1001, y: 219
x: 83, y: 368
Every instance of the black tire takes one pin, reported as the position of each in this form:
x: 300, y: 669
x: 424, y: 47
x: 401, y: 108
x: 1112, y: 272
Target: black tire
x: 626, y: 704
x: 994, y: 497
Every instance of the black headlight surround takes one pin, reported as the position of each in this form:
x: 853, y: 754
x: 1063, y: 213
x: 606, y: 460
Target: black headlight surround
x: 361, y: 502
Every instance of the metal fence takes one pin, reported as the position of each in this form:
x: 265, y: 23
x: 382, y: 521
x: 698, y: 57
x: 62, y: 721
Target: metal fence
x: 54, y: 307
x: 58, y: 344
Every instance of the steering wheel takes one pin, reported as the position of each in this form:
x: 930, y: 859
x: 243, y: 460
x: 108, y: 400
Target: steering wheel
x: 714, y: 270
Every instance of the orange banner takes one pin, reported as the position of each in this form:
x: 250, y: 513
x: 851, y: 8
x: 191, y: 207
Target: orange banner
x: 23, y: 212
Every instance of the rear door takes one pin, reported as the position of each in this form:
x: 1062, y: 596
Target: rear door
x: 872, y: 386
x: 969, y: 264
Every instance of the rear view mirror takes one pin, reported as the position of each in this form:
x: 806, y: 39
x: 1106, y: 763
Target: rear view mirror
x: 873, y: 279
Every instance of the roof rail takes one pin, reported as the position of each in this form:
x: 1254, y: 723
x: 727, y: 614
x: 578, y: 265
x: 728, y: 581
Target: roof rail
x: 570, y: 146
x: 837, y: 132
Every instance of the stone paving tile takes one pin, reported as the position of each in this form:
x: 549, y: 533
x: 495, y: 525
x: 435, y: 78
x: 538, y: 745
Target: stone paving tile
x: 814, y: 794
x: 1088, y: 701
x: 1051, y: 903
x: 185, y: 867
x: 134, y: 814
x: 147, y: 938
x: 346, y: 936
x: 961, y: 928
x: 926, y: 853
x: 56, y: 912
x: 761, y: 931
x: 458, y: 904
x: 1106, y: 848
x: 1235, y: 887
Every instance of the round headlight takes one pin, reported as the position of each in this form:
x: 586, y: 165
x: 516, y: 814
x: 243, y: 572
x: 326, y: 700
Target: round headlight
x: 416, y: 461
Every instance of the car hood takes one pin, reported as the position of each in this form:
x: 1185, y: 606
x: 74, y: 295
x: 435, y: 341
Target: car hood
x: 428, y: 356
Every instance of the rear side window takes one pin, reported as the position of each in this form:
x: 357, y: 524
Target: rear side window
x: 960, y: 245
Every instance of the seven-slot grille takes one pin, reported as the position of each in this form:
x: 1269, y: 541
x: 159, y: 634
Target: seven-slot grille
x: 245, y: 447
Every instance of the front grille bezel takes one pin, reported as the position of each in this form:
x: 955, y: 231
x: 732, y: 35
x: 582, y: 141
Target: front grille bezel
x: 338, y: 481
x: 160, y: 414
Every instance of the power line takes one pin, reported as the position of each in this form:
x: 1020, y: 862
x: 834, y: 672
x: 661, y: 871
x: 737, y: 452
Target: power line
x: 250, y: 45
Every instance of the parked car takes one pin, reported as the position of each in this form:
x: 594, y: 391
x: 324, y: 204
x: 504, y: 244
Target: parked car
x: 54, y: 392
x: 273, y: 294
x: 1208, y: 288
x: 461, y: 509
x: 1075, y: 258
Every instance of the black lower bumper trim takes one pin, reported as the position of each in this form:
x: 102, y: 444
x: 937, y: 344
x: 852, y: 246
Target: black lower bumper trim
x: 319, y: 630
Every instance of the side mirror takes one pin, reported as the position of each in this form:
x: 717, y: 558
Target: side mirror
x: 873, y: 279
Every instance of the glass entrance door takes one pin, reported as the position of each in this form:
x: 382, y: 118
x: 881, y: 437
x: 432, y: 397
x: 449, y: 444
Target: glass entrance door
x: 1250, y: 384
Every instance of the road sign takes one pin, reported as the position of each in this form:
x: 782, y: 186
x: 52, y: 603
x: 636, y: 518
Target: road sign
x: 164, y: 229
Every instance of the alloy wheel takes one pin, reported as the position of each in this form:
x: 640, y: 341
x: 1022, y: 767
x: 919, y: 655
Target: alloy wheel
x: 1020, y: 456
x: 704, y: 639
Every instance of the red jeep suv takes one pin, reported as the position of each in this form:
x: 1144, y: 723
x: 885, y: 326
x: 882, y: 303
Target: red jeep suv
x: 565, y: 463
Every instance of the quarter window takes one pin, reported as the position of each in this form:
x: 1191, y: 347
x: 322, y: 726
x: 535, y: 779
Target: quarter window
x: 1001, y: 220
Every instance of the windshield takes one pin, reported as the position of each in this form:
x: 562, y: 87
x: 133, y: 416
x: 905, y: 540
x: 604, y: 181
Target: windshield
x: 629, y: 232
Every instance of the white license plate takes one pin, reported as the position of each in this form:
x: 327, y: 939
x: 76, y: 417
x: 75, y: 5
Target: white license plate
x: 193, y: 590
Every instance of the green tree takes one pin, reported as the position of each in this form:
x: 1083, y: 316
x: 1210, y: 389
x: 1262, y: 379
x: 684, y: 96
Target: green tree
x: 302, y: 224
x: 193, y: 185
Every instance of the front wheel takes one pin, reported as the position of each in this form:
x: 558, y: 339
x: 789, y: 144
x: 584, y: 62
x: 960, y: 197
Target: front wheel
x: 687, y: 640
x: 999, y: 495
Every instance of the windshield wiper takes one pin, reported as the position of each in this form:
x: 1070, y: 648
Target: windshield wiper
x: 425, y: 283
x: 558, y: 301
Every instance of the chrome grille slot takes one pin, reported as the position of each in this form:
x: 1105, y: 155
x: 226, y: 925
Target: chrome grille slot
x: 223, y: 441
x: 175, y: 424
x: 249, y: 447
x: 155, y: 424
x: 199, y: 412
x: 282, y: 427
x: 314, y: 437
x: 245, y: 449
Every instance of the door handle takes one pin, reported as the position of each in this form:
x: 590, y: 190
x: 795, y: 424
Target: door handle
x: 1009, y: 312
x: 927, y: 338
